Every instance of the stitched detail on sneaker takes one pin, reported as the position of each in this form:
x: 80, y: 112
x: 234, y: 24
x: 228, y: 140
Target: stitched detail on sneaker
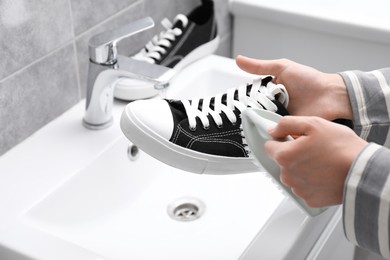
x: 221, y: 141
x: 209, y: 138
x: 209, y: 135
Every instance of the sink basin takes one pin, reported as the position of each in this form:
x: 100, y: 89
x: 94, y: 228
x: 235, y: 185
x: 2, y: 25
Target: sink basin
x: 120, y: 209
x: 71, y: 193
x: 207, y: 77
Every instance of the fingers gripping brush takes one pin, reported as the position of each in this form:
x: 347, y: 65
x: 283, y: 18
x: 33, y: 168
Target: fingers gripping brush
x: 255, y: 124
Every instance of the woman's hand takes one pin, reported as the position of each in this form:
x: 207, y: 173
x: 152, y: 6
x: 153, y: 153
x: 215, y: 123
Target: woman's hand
x: 311, y: 92
x: 314, y: 165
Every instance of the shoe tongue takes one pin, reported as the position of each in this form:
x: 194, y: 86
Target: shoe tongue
x: 281, y: 109
x: 180, y: 21
x: 177, y: 109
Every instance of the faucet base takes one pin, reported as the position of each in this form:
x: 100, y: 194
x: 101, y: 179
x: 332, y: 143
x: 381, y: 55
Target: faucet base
x: 98, y: 126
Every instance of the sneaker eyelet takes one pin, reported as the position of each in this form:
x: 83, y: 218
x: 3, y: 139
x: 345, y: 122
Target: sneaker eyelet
x: 193, y: 129
x: 220, y: 126
x: 206, y: 127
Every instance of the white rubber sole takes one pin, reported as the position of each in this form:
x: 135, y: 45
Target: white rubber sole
x: 132, y: 89
x: 179, y: 157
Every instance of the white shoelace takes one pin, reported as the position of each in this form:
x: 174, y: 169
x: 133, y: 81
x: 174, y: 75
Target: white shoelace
x: 259, y: 97
x: 156, y: 47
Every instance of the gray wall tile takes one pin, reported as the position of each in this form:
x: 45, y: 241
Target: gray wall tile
x: 87, y: 13
x: 36, y: 95
x: 31, y: 29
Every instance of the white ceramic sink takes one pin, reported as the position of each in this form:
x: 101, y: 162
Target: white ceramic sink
x: 72, y: 193
x: 207, y: 77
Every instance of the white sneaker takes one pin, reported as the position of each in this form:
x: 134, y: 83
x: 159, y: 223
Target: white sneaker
x: 201, y: 135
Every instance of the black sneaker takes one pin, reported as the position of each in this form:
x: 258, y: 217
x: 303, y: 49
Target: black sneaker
x: 188, y: 39
x: 201, y: 135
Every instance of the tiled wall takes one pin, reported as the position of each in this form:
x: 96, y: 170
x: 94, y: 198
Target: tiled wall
x: 43, y: 53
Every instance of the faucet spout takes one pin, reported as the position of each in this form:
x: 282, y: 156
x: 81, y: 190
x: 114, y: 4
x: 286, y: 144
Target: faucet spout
x: 106, y: 68
x: 102, y: 80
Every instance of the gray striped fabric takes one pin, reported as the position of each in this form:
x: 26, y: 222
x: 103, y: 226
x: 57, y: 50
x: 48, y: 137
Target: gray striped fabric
x: 367, y: 189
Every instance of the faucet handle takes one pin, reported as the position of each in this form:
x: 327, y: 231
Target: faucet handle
x: 103, y: 46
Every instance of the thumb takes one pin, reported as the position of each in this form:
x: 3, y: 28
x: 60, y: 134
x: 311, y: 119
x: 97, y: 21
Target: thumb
x: 260, y: 67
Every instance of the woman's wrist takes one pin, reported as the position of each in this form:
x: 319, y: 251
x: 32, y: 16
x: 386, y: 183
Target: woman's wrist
x: 339, y: 102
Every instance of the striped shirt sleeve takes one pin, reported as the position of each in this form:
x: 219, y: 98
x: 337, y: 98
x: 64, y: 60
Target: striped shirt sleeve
x: 366, y: 204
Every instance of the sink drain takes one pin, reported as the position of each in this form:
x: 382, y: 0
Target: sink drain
x: 186, y: 209
x: 132, y: 152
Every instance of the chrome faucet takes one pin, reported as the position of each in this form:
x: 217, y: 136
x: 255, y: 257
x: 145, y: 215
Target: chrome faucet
x: 107, y: 67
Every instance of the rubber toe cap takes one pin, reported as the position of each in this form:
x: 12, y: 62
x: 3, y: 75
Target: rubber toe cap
x: 154, y: 115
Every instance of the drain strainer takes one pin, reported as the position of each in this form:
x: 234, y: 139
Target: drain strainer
x: 186, y: 209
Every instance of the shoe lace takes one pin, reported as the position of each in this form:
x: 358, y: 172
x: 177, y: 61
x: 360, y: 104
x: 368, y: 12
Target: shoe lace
x: 259, y: 96
x: 159, y: 44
